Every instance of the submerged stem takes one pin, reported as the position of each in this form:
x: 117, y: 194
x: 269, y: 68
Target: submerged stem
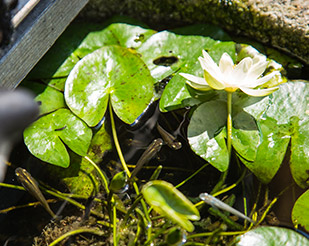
x: 116, y: 142
x: 125, y: 167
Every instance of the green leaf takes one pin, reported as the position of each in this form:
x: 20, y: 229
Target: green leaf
x: 245, y: 135
x: 114, y: 73
x: 177, y: 94
x: 206, y: 136
x: 166, y: 52
x: 300, y: 212
x: 270, y: 152
x: 171, y: 203
x: 271, y: 236
x: 118, y: 182
x: 290, y: 110
x: 79, y: 40
x: 48, y: 98
x: 46, y: 138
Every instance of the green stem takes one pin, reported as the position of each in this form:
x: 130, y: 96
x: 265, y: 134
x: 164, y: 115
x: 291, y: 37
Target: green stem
x: 116, y: 142
x: 192, y: 175
x: 78, y: 231
x: 229, y: 123
x: 125, y: 167
x: 104, y: 181
x: 115, y: 226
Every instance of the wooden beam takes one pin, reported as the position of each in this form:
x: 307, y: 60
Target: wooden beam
x: 34, y: 36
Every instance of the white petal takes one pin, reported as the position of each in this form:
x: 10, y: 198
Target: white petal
x: 199, y: 86
x: 256, y: 70
x: 208, y: 64
x: 212, y: 75
x: 258, y: 92
x: 195, y: 79
x: 240, y: 72
x: 265, y: 79
x: 213, y: 82
x: 226, y: 64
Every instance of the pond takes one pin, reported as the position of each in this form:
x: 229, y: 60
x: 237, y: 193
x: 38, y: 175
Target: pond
x: 150, y: 137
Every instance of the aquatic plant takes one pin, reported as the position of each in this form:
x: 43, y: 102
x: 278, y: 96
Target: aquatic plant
x: 95, y: 73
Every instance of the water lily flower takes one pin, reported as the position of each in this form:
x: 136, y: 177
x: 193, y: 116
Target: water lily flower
x: 246, y: 75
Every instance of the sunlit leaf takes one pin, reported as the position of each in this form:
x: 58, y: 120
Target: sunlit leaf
x: 46, y: 138
x: 79, y: 40
x: 171, y: 203
x: 110, y: 73
x: 300, y: 212
x: 48, y: 98
x: 205, y: 134
x: 271, y: 236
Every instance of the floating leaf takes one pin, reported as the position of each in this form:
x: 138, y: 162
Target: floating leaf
x: 205, y: 133
x: 48, y: 98
x: 271, y: 236
x: 79, y: 40
x: 166, y: 52
x: 300, y: 212
x: 46, y: 137
x: 177, y: 94
x: 286, y: 118
x: 110, y: 73
x: 171, y: 203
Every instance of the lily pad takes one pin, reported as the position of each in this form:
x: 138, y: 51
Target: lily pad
x: 110, y: 73
x: 177, y: 94
x: 171, y: 203
x: 47, y: 97
x: 300, y: 212
x: 271, y: 236
x: 286, y: 118
x: 46, y: 138
x: 205, y: 134
x: 80, y: 177
x: 79, y: 40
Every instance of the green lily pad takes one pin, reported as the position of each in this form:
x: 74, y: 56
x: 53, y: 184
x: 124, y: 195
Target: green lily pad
x: 166, y: 52
x: 79, y: 40
x: 48, y: 98
x: 171, y: 203
x: 80, y: 177
x: 46, y: 138
x: 206, y: 136
x: 207, y: 133
x: 271, y: 236
x: 177, y: 94
x: 110, y: 73
x: 300, y: 212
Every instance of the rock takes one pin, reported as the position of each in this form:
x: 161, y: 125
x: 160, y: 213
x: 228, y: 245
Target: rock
x: 280, y: 23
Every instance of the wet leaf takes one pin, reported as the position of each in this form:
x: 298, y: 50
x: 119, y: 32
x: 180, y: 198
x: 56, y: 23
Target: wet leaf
x: 180, y: 50
x: 286, y: 119
x: 300, y: 212
x: 207, y: 133
x: 177, y: 94
x: 47, y: 97
x: 110, y: 73
x: 46, y: 138
x: 206, y: 136
x: 271, y: 236
x: 79, y: 40
x: 171, y: 203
